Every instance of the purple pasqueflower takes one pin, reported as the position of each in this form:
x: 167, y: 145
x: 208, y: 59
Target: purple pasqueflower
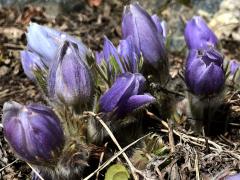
x: 124, y: 55
x: 109, y: 51
x: 204, y: 73
x: 45, y: 41
x: 234, y: 66
x: 33, y: 131
x: 198, y: 35
x: 70, y: 80
x: 30, y: 63
x: 128, y: 54
x: 125, y: 95
x: 147, y: 40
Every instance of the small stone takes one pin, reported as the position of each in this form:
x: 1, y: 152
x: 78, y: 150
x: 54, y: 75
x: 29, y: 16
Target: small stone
x: 4, y: 70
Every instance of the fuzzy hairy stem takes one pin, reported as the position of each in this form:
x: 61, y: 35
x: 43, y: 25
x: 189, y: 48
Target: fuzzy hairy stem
x: 204, y: 111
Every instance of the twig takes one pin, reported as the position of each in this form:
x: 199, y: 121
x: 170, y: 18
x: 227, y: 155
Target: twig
x: 100, y: 160
x: 170, y: 137
x: 174, y: 173
x: 165, y: 90
x: 233, y: 154
x: 13, y: 46
x: 8, y: 165
x: 105, y: 164
x: 35, y: 171
x: 132, y: 168
x: 197, y: 167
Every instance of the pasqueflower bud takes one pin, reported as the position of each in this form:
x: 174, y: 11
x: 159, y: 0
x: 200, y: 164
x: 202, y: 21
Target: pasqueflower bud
x: 33, y: 131
x: 46, y: 41
x: 109, y: 50
x: 198, y: 35
x: 127, y: 52
x: 234, y: 66
x: 125, y: 95
x: 204, y: 72
x: 30, y: 63
x: 70, y: 81
x: 140, y: 25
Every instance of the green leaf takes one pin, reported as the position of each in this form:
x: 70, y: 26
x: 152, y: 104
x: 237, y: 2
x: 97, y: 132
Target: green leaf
x: 41, y: 78
x: 117, y: 172
x: 115, y: 65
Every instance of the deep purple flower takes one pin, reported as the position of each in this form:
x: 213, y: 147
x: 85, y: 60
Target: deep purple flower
x: 147, y: 40
x: 198, y: 35
x: 204, y: 73
x: 234, y: 66
x: 125, y: 95
x: 30, y: 63
x: 70, y: 81
x: 33, y: 131
x: 46, y: 41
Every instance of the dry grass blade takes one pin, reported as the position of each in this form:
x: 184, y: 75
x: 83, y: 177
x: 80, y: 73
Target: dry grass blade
x: 35, y: 171
x: 8, y: 165
x: 101, y: 160
x: 197, y: 167
x: 174, y: 173
x: 132, y: 168
x: 105, y: 164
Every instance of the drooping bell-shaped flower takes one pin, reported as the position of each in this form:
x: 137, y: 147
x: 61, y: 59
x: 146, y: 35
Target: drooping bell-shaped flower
x: 147, y: 40
x: 198, y: 35
x: 204, y: 73
x: 125, y: 95
x: 46, y: 41
x: 70, y: 80
x: 33, y: 131
x: 30, y: 63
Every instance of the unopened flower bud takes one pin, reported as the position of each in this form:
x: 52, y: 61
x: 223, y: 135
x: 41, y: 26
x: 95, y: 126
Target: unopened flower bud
x: 30, y: 63
x: 198, y: 35
x: 33, y: 131
x: 45, y: 41
x: 145, y: 32
x: 70, y: 81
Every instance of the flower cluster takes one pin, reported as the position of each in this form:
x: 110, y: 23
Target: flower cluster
x: 143, y: 36
x: 68, y: 74
x: 113, y: 83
